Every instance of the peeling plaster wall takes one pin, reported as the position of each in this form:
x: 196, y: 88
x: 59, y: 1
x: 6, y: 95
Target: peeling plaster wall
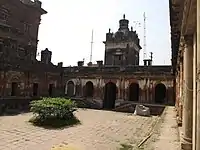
x: 146, y: 86
x: 25, y: 83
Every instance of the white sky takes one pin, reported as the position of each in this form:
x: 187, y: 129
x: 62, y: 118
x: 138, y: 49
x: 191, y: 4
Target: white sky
x: 66, y: 29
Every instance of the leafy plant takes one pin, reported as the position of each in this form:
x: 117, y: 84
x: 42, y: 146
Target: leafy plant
x: 53, y: 111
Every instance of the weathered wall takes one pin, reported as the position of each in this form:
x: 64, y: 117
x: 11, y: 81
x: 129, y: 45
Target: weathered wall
x: 146, y: 87
x: 25, y: 81
x: 19, y: 30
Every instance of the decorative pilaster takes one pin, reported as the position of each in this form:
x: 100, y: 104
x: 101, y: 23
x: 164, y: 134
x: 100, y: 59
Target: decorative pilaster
x: 194, y: 92
x: 177, y: 92
x: 180, y: 118
x: 188, y: 94
x: 198, y: 79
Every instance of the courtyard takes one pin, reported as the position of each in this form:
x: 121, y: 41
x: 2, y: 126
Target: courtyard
x: 99, y: 130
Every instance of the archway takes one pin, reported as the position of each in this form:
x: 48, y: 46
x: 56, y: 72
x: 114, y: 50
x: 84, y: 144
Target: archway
x: 70, y: 88
x: 134, y: 92
x: 89, y: 89
x: 160, y: 93
x: 109, y: 95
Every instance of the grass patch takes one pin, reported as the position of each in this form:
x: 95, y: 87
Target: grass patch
x: 126, y: 147
x: 54, y: 123
x: 64, y: 147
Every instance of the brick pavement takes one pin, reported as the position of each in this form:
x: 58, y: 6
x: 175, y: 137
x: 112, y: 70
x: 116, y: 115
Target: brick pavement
x: 166, y: 134
x: 99, y: 130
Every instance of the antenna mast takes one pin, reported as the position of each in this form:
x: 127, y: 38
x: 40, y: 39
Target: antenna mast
x: 145, y: 45
x: 91, y: 47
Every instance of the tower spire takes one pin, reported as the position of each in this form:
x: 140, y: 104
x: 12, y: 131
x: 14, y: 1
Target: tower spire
x: 123, y: 24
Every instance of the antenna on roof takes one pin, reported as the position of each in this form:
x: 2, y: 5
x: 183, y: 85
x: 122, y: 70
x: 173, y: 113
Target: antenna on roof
x: 145, y: 44
x: 91, y: 47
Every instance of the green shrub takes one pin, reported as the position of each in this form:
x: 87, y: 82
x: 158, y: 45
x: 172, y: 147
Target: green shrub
x: 52, y: 111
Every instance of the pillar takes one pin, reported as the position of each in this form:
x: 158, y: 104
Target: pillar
x: 148, y: 89
x: 194, y: 92
x: 181, y: 90
x: 177, y: 104
x: 198, y: 79
x: 123, y: 89
x: 188, y: 93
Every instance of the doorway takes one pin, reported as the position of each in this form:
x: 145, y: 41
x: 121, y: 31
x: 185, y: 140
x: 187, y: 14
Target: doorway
x: 134, y: 92
x: 160, y: 93
x: 89, y: 89
x: 51, y: 86
x: 109, y: 95
x: 14, y: 89
x: 70, y: 88
x: 35, y: 89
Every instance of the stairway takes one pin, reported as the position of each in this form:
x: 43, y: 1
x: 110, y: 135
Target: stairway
x: 87, y: 103
x: 125, y: 107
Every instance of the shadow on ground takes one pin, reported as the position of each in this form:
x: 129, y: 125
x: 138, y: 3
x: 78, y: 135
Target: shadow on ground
x: 55, y: 123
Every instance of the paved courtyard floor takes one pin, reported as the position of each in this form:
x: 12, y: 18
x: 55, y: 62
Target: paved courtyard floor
x: 166, y: 134
x: 99, y: 130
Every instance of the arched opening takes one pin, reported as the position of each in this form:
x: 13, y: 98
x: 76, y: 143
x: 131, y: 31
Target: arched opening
x: 70, y: 88
x: 160, y: 93
x: 89, y: 89
x: 134, y: 92
x: 109, y: 95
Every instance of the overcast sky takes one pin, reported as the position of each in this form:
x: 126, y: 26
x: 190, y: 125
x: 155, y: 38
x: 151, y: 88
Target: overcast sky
x: 66, y: 29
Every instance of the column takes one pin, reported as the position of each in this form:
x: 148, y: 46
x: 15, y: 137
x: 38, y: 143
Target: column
x: 194, y: 93
x: 177, y: 104
x: 181, y: 90
x: 120, y: 89
x: 188, y: 93
x: 198, y: 78
x: 148, y: 89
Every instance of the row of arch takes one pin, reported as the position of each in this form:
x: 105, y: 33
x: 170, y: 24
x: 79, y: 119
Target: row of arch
x: 110, y: 92
x: 89, y: 89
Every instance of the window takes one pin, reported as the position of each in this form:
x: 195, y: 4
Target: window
x: 1, y: 47
x: 13, y: 45
x: 7, y: 43
x: 120, y: 57
x: 26, y: 27
x: 3, y: 14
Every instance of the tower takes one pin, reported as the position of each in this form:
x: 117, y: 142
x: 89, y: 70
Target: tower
x: 123, y: 24
x: 46, y: 56
x: 122, y: 48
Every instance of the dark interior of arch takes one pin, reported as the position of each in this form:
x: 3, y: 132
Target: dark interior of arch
x: 160, y: 93
x: 134, y: 92
x: 89, y: 89
x: 109, y: 96
x: 70, y: 89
